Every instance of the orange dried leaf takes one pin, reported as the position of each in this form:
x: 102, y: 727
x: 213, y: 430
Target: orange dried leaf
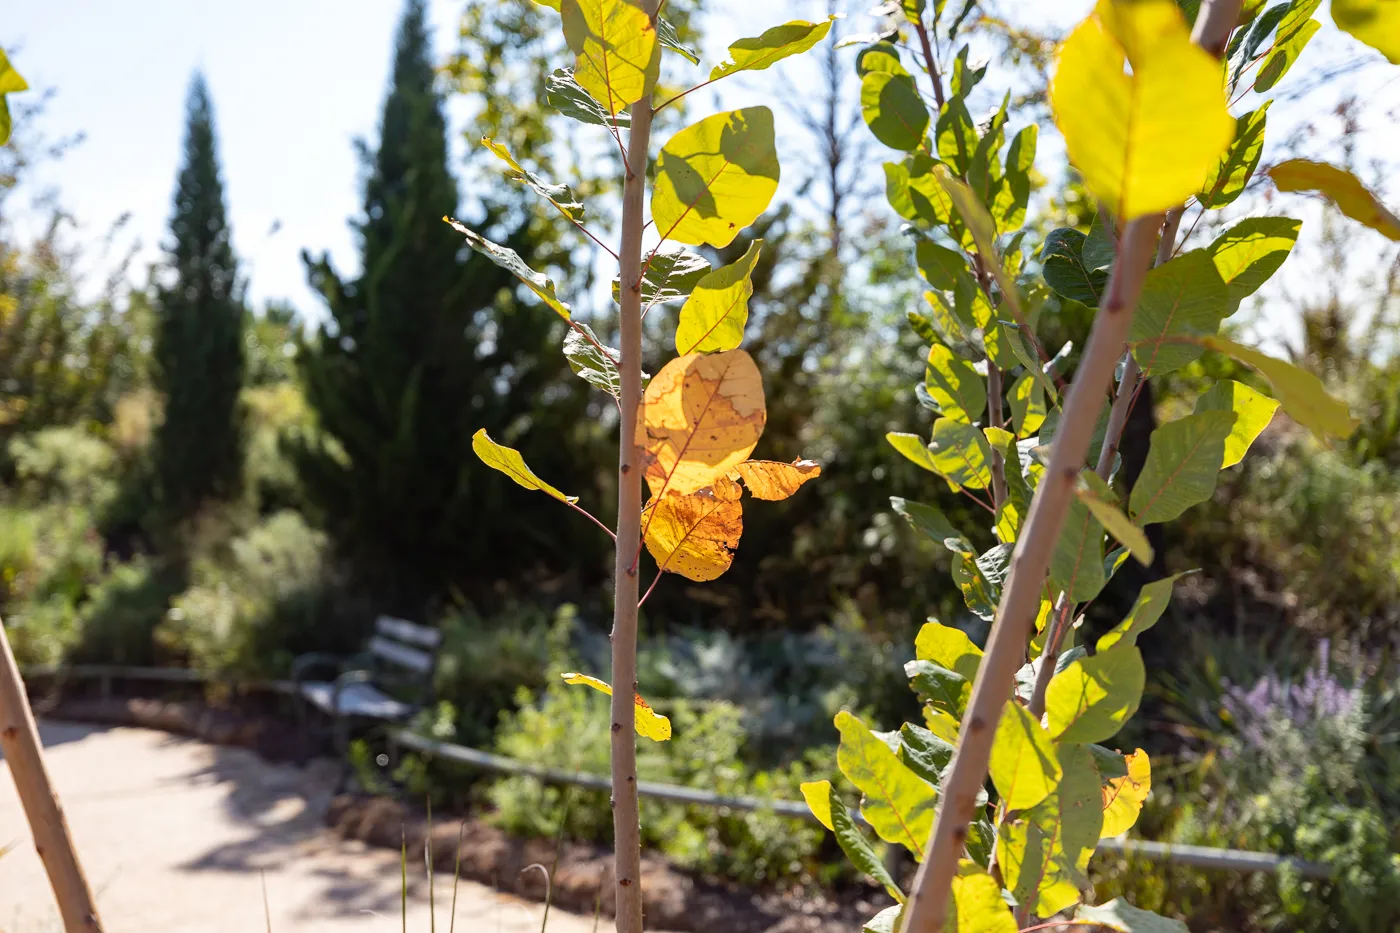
x: 695, y: 534
x: 650, y: 723
x: 701, y: 416
x: 768, y: 479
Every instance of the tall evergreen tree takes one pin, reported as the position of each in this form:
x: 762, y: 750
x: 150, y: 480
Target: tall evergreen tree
x: 420, y: 350
x: 199, y: 330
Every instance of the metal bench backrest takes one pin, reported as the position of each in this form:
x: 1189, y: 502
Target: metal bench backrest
x: 405, y: 644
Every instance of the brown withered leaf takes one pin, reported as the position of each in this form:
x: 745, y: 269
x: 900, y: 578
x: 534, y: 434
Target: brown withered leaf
x: 695, y: 534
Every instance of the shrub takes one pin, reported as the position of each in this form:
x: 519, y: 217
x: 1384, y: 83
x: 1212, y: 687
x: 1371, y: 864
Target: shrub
x: 64, y: 463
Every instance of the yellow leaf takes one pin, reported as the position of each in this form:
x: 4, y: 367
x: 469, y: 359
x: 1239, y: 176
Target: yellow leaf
x: 818, y: 797
x: 942, y: 724
x: 1300, y: 392
x: 1124, y: 794
x: 1341, y: 188
x: 650, y: 723
x: 715, y: 177
x: 509, y: 462
x: 714, y: 315
x: 695, y: 534
x: 773, y: 46
x: 1374, y: 22
x: 701, y: 416
x: 978, y: 904
x: 768, y: 479
x: 1144, y: 140
x: 618, y: 55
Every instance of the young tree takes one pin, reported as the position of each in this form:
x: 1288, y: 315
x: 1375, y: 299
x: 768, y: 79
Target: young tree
x: 199, y: 330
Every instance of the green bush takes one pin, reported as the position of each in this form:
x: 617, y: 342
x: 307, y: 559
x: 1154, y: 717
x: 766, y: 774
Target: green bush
x: 67, y: 464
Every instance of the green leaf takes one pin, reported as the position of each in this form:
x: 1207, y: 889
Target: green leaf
x: 930, y: 521
x: 1100, y: 247
x: 946, y: 690
x: 886, y: 921
x: 925, y: 753
x: 669, y: 38
x: 715, y: 177
x: 1251, y: 251
x: 898, y: 804
x: 978, y: 906
x: 964, y: 77
x: 981, y: 580
x: 1257, y: 33
x: 1062, y: 263
x: 1185, y: 296
x: 1183, y: 463
x: 508, y: 461
x: 1227, y: 180
x: 1091, y: 699
x: 563, y: 93
x: 1023, y: 764
x: 940, y: 266
x: 1374, y: 22
x: 1294, y: 31
x: 1341, y: 188
x: 956, y: 135
x: 826, y: 805
x: 922, y: 326
x: 1044, y: 856
x: 1076, y: 564
x: 1119, y: 915
x: 561, y: 196
x: 1300, y: 392
x: 914, y: 449
x: 893, y: 110
x: 1102, y: 502
x: 1027, y: 405
x: 881, y: 56
x: 672, y: 272
x: 1152, y: 601
x: 960, y: 454
x: 773, y: 46
x: 948, y: 647
x: 591, y: 360
x: 509, y: 260
x: 617, y: 53
x: 1253, y: 411
x: 1009, y: 205
x: 714, y: 315
x: 961, y: 394
x: 10, y: 83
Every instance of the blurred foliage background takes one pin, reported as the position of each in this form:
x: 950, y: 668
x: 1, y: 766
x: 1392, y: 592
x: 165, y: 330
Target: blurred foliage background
x: 188, y: 480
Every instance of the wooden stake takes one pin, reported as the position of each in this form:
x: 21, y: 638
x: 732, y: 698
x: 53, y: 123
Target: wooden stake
x: 19, y: 738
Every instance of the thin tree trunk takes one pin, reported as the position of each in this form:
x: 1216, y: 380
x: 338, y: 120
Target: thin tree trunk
x: 627, y: 831
x: 19, y: 739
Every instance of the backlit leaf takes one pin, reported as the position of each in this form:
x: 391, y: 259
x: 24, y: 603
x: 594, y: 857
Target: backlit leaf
x: 593, y: 362
x: 886, y: 921
x: 1251, y: 251
x: 1009, y: 205
x: 509, y: 260
x: 1374, y: 22
x: 880, y: 56
x: 650, y: 723
x: 1102, y: 502
x: 669, y: 38
x: 561, y: 196
x: 898, y: 804
x: 1076, y: 564
x: 768, y: 479
x: 1152, y: 601
x: 1044, y: 856
x: 893, y: 110
x: 1227, y: 180
x: 563, y: 93
x: 773, y: 46
x: 826, y: 805
x: 715, y: 177
x: 508, y: 461
x: 1294, y: 30
x: 978, y: 906
x: 703, y: 416
x: 944, y: 689
x: 914, y: 449
x: 980, y: 580
x: 1091, y: 699
x: 694, y: 534
x: 1143, y: 141
x: 930, y: 521
x: 1023, y: 764
x: 961, y: 454
x: 939, y: 265
x: 1183, y: 464
x: 1183, y: 296
x: 1027, y: 405
x: 616, y: 48
x: 1123, y: 917
x: 714, y: 315
x: 1126, y: 782
x: 672, y: 272
x: 818, y: 797
x: 956, y: 135
x: 961, y: 394
x: 1253, y: 411
x: 1300, y: 392
x: 10, y: 82
x: 1341, y: 188
x: 948, y: 647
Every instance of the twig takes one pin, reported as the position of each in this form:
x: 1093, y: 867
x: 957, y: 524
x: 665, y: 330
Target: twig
x: 930, y: 64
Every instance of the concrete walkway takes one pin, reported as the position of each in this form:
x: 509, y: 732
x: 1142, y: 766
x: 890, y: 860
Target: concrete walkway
x: 177, y: 836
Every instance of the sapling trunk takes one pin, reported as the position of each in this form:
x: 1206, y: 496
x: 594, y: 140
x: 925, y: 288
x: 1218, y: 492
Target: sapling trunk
x: 927, y: 907
x: 627, y: 833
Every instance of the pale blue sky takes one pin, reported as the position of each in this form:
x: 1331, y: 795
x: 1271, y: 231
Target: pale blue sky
x: 294, y: 81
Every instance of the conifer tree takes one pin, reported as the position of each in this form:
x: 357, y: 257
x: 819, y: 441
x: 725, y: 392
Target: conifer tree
x: 199, y: 330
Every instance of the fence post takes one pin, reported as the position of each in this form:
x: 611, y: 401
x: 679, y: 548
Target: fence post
x: 19, y: 739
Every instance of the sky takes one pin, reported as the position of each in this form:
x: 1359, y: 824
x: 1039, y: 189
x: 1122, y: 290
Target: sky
x: 295, y: 81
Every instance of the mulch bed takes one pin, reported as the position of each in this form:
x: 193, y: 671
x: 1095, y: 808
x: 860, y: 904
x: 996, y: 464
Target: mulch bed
x: 579, y: 873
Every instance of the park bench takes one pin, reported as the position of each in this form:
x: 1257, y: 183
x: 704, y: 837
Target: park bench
x: 386, y: 684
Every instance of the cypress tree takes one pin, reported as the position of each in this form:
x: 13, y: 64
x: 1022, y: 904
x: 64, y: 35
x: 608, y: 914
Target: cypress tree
x: 420, y: 350
x: 199, y: 330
